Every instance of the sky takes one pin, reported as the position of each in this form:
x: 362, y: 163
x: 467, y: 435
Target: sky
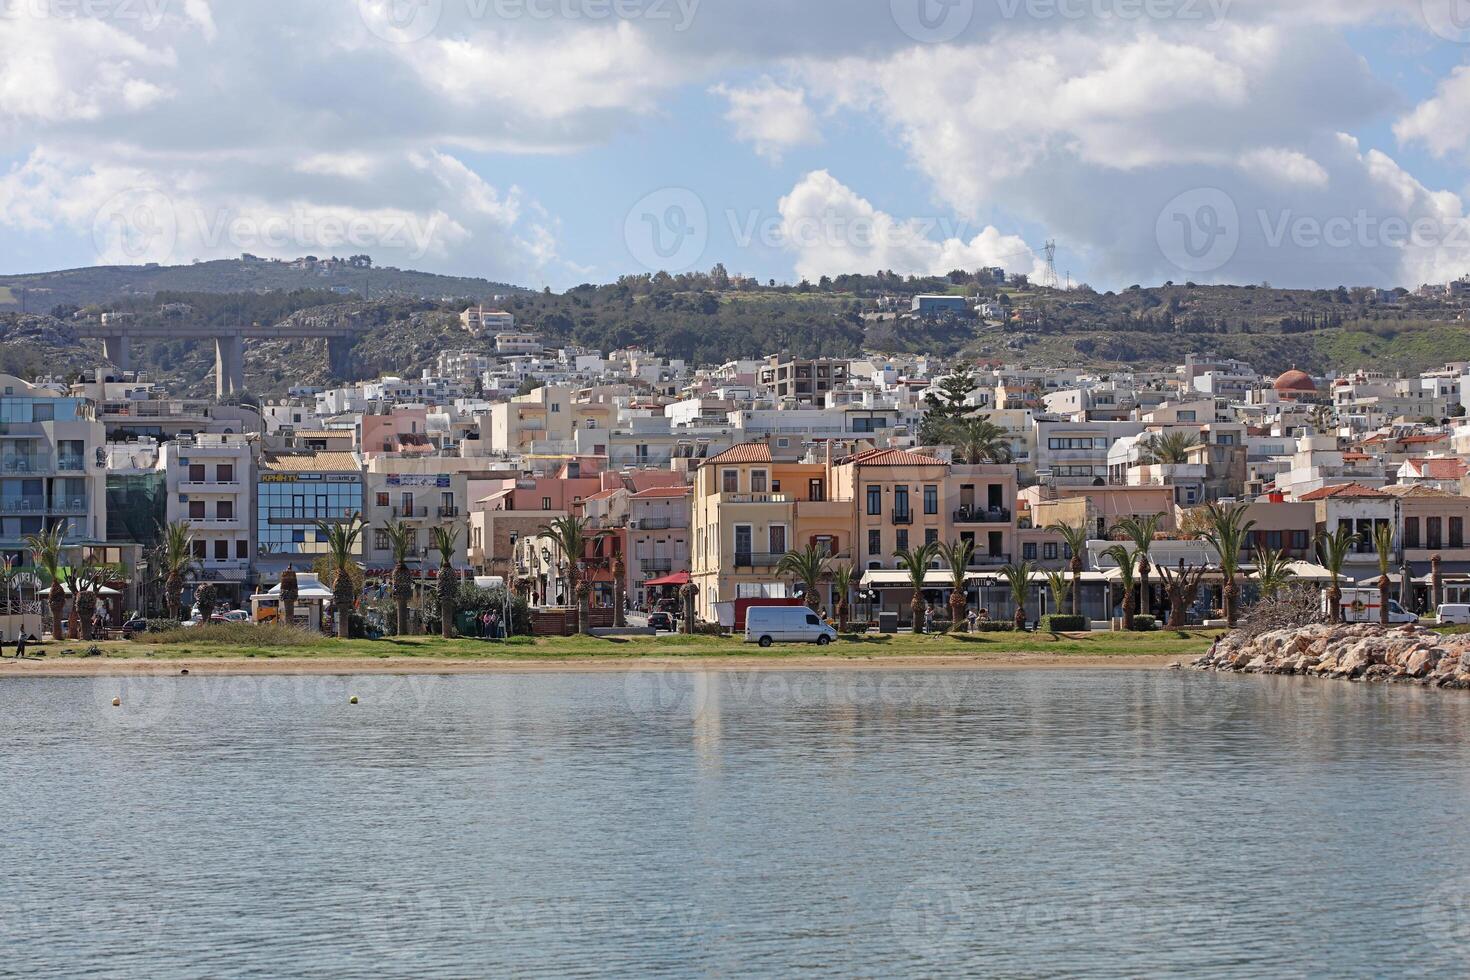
x: 1304, y: 143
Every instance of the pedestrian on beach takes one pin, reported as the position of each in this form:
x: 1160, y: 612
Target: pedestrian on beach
x: 20, y: 645
x: 974, y: 618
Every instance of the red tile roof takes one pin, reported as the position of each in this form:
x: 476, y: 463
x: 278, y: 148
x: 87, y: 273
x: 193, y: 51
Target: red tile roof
x: 1439, y: 468
x: 893, y: 457
x: 1340, y: 491
x: 750, y: 452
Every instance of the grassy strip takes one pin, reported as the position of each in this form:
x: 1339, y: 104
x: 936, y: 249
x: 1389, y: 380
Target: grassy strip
x: 214, y: 643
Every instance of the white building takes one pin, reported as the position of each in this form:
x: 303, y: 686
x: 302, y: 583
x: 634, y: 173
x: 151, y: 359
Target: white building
x: 210, y: 481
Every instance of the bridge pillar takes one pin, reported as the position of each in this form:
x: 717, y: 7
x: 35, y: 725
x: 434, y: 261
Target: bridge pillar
x: 339, y: 356
x: 118, y: 350
x: 229, y: 365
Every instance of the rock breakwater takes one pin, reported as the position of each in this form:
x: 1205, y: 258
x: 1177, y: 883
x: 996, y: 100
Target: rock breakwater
x: 1407, y: 654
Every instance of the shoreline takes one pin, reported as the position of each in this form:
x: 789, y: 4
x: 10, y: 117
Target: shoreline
x: 327, y: 666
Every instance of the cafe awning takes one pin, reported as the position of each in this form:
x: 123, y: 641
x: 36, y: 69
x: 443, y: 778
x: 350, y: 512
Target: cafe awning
x: 676, y: 580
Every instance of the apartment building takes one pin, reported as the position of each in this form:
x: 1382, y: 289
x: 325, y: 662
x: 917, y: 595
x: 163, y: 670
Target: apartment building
x: 51, y: 473
x: 1072, y: 453
x: 480, y: 321
x: 806, y: 380
x: 209, y: 483
x: 658, y: 537
x: 296, y: 492
x: 416, y: 492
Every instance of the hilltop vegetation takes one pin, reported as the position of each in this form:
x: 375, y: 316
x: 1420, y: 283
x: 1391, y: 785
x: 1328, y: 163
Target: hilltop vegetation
x: 709, y: 318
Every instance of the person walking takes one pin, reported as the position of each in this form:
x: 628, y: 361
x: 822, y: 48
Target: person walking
x: 20, y: 646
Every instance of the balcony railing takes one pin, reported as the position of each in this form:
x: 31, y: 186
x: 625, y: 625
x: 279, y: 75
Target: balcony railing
x: 410, y: 513
x: 23, y: 505
x: 989, y: 561
x: 756, y: 498
x: 903, y: 517
x: 659, y: 565
x: 448, y: 512
x: 71, y: 464
x: 748, y: 559
x: 654, y: 523
x: 975, y: 515
x: 69, y: 505
x: 35, y: 463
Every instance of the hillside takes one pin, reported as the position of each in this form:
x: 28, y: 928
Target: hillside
x: 99, y: 285
x: 708, y: 319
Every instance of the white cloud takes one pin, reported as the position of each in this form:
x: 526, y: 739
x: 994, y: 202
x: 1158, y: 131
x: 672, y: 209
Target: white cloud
x: 771, y: 117
x: 1439, y: 122
x: 832, y: 230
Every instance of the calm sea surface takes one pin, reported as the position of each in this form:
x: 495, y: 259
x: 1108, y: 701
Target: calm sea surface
x: 894, y: 824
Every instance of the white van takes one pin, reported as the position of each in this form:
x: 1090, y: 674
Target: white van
x: 786, y: 624
x: 1454, y: 615
x: 1361, y: 606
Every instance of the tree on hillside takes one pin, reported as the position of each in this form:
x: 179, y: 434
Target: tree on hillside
x: 946, y: 400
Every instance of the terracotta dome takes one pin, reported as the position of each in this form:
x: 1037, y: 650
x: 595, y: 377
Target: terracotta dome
x: 1298, y: 381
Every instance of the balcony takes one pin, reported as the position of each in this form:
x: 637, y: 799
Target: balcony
x: 227, y: 486
x: 755, y: 498
x: 215, y: 523
x: 653, y: 524
x: 23, y: 505
x: 410, y: 513
x: 903, y: 517
x: 30, y: 463
x: 71, y: 464
x: 989, y: 561
x: 747, y: 559
x: 975, y: 515
x: 656, y: 566
x: 448, y: 512
x: 68, y: 505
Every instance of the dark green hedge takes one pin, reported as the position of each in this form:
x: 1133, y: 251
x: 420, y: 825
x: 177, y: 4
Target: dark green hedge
x: 1145, y: 624
x: 1064, y: 624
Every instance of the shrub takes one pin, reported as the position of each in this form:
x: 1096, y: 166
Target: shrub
x: 991, y: 626
x: 1064, y: 624
x: 1145, y: 624
x: 239, y: 635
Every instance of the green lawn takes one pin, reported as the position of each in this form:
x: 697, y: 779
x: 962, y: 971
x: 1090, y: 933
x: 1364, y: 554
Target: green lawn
x: 1162, y: 644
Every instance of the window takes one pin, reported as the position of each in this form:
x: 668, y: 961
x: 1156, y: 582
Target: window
x: 777, y: 535
x: 196, y: 510
x: 1300, y: 540
x: 380, y: 539
x: 931, y: 535
x: 1028, y: 551
x: 1435, y: 528
x: 1050, y: 551
x: 900, y: 501
x: 730, y: 481
x: 816, y: 490
x: 242, y: 549
x: 1411, y: 532
x: 931, y: 500
x: 221, y: 550
x: 556, y: 408
x: 758, y: 481
x: 224, y: 473
x: 225, y: 510
x: 199, y: 550
x: 1188, y: 417
x: 875, y: 501
x: 875, y: 542
x: 383, y: 500
x: 196, y: 473
x: 545, y: 503
x: 901, y: 540
x: 1457, y: 532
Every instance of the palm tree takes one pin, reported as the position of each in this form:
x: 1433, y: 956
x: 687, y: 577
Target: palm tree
x: 807, y: 567
x: 1169, y: 448
x: 445, y: 539
x: 957, y: 557
x: 178, y: 562
x: 916, y: 563
x: 1056, y: 583
x: 1128, y: 574
x: 1273, y: 571
x: 620, y: 585
x: 1018, y: 577
x: 290, y: 592
x: 570, y: 535
x: 1228, y: 532
x: 402, y: 542
x: 47, y: 555
x: 1333, y: 550
x: 341, y: 538
x: 841, y: 589
x: 977, y: 440
x: 207, y: 598
x: 1141, y: 531
x: 1383, y: 546
x: 1074, y: 536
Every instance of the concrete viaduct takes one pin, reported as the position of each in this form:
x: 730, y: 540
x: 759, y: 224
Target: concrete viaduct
x: 229, y: 345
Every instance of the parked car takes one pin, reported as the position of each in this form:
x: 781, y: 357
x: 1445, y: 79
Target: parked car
x: 661, y: 621
x: 134, y: 626
x: 1454, y: 614
x: 786, y: 624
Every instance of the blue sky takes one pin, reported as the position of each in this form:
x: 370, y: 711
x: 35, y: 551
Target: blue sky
x: 1267, y: 141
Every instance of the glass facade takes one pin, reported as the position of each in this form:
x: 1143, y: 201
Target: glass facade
x: 289, y: 505
x: 21, y: 408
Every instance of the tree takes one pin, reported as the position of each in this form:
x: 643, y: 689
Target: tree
x: 402, y: 540
x: 1056, y: 583
x: 1383, y: 547
x: 85, y: 581
x: 178, y: 562
x: 1332, y: 551
x: 47, y: 555
x: 445, y: 539
x: 206, y: 597
x: 841, y: 589
x: 1127, y: 562
x: 1074, y: 536
x: 1273, y: 571
x: 915, y: 563
x: 1183, y: 588
x: 341, y: 538
x: 620, y: 585
x: 1228, y: 532
x: 976, y: 440
x: 1018, y: 577
x: 570, y: 535
x: 1141, y: 531
x: 290, y: 592
x: 1169, y: 448
x: 946, y: 400
x: 807, y: 567
x: 957, y: 557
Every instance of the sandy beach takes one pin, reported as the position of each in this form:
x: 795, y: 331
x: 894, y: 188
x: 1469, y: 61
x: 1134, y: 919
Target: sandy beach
x: 97, y: 666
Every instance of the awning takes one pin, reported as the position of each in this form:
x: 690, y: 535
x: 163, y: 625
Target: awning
x: 678, y: 579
